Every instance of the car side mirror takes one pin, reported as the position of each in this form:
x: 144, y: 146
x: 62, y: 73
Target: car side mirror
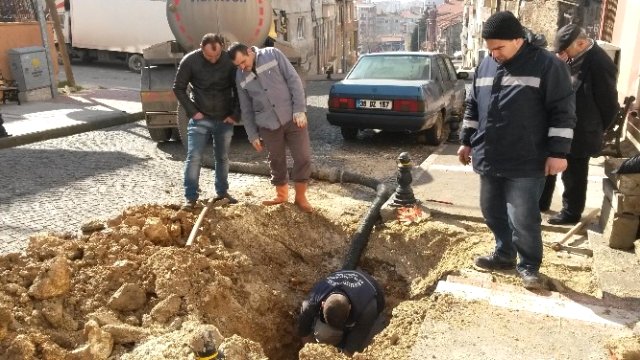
x: 462, y: 75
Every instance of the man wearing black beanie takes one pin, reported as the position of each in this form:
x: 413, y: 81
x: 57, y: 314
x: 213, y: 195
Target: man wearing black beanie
x: 517, y: 128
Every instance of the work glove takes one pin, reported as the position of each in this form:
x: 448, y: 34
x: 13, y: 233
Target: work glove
x: 300, y: 119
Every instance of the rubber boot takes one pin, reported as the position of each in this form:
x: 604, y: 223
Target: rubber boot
x: 301, y: 198
x: 282, y: 195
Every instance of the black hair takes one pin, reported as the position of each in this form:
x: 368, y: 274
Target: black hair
x: 236, y: 48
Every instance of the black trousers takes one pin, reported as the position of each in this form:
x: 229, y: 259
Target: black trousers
x: 574, y: 179
x: 3, y: 132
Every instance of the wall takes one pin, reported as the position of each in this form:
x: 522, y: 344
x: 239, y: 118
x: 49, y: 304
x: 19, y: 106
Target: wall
x: 625, y: 36
x: 17, y: 35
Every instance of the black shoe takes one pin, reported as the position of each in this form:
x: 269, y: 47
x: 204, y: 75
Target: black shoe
x: 530, y: 279
x: 563, y: 219
x: 229, y: 198
x: 188, y: 205
x: 494, y: 262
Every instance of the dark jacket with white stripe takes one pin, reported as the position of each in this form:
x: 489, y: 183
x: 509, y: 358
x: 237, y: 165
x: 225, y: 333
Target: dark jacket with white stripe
x: 519, y: 113
x: 272, y: 94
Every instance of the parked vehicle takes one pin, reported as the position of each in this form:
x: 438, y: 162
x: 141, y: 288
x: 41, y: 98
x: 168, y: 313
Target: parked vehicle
x: 114, y: 30
x: 414, y: 92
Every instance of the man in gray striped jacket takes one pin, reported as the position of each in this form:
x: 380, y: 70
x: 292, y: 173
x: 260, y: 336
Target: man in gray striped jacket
x: 273, y: 107
x: 517, y: 128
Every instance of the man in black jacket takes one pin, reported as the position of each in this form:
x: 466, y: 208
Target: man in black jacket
x: 517, y: 128
x: 593, y: 76
x: 213, y: 110
x: 342, y: 310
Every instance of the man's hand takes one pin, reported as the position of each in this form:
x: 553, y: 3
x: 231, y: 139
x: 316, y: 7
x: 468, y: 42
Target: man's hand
x: 554, y: 166
x: 257, y: 145
x: 229, y: 120
x: 198, y: 116
x: 300, y: 119
x: 464, y: 154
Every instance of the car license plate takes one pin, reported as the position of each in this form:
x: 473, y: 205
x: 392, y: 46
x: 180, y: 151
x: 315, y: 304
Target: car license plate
x: 375, y: 104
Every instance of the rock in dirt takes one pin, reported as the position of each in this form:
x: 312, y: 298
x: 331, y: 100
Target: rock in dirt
x: 627, y: 348
x: 92, y: 226
x: 236, y: 347
x: 6, y: 321
x: 166, y: 308
x: 53, y: 310
x: 207, y: 338
x: 54, y: 280
x: 21, y: 348
x: 319, y: 351
x: 157, y: 232
x: 125, y: 334
x: 99, y: 344
x: 129, y: 297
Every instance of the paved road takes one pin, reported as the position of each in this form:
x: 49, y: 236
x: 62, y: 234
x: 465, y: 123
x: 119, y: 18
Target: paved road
x: 59, y: 184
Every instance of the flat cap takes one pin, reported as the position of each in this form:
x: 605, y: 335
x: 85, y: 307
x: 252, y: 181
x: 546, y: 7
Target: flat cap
x: 565, y: 36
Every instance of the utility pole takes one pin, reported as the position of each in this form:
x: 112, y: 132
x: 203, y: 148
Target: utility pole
x: 45, y: 43
x: 62, y: 47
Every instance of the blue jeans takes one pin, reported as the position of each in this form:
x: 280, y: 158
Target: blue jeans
x: 199, y: 132
x: 510, y: 209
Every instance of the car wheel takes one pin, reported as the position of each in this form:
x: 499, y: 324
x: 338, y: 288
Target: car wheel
x: 160, y: 134
x: 135, y: 62
x: 435, y: 134
x: 349, y: 133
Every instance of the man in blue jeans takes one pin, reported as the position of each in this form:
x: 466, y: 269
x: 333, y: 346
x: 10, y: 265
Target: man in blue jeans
x: 517, y: 128
x: 213, y: 109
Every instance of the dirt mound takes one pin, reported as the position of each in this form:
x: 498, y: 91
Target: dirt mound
x: 132, y: 290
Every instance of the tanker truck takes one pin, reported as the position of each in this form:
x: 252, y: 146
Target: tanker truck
x: 247, y: 21
x: 114, y: 30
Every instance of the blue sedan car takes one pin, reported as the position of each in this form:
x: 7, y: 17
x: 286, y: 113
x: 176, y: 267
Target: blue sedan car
x: 413, y: 92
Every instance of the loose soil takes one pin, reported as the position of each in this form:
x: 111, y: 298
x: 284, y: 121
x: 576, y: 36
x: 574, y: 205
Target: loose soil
x: 131, y: 289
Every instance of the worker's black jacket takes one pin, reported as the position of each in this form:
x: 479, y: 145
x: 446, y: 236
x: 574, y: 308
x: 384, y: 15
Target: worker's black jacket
x: 213, y: 86
x: 366, y: 298
x: 596, y: 101
x: 519, y: 113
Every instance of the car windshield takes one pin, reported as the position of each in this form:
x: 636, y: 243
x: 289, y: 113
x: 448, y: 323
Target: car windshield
x: 392, y: 67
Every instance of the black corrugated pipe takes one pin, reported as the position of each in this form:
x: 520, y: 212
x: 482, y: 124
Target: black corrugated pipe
x: 360, y: 239
x: 332, y: 175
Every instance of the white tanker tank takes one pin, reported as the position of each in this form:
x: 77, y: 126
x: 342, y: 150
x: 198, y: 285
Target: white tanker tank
x: 246, y: 21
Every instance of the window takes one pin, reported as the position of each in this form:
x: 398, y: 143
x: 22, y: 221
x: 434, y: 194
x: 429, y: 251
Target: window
x: 300, y: 30
x: 392, y: 67
x: 442, y: 75
x: 452, y: 70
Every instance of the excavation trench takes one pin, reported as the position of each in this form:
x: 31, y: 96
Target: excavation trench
x: 132, y: 290
x: 247, y: 273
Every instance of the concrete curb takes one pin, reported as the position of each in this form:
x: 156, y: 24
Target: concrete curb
x: 29, y: 138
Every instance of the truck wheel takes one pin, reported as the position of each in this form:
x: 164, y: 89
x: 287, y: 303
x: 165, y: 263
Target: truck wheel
x: 349, y: 133
x: 435, y: 134
x: 135, y: 62
x: 183, y: 121
x: 160, y: 134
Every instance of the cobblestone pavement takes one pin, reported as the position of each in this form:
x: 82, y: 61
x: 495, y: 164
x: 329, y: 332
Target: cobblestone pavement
x: 59, y: 184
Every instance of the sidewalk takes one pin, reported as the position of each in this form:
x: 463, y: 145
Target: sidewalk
x: 67, y: 115
x: 445, y: 185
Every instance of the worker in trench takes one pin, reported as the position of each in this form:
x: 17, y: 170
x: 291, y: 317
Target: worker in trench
x: 344, y: 309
